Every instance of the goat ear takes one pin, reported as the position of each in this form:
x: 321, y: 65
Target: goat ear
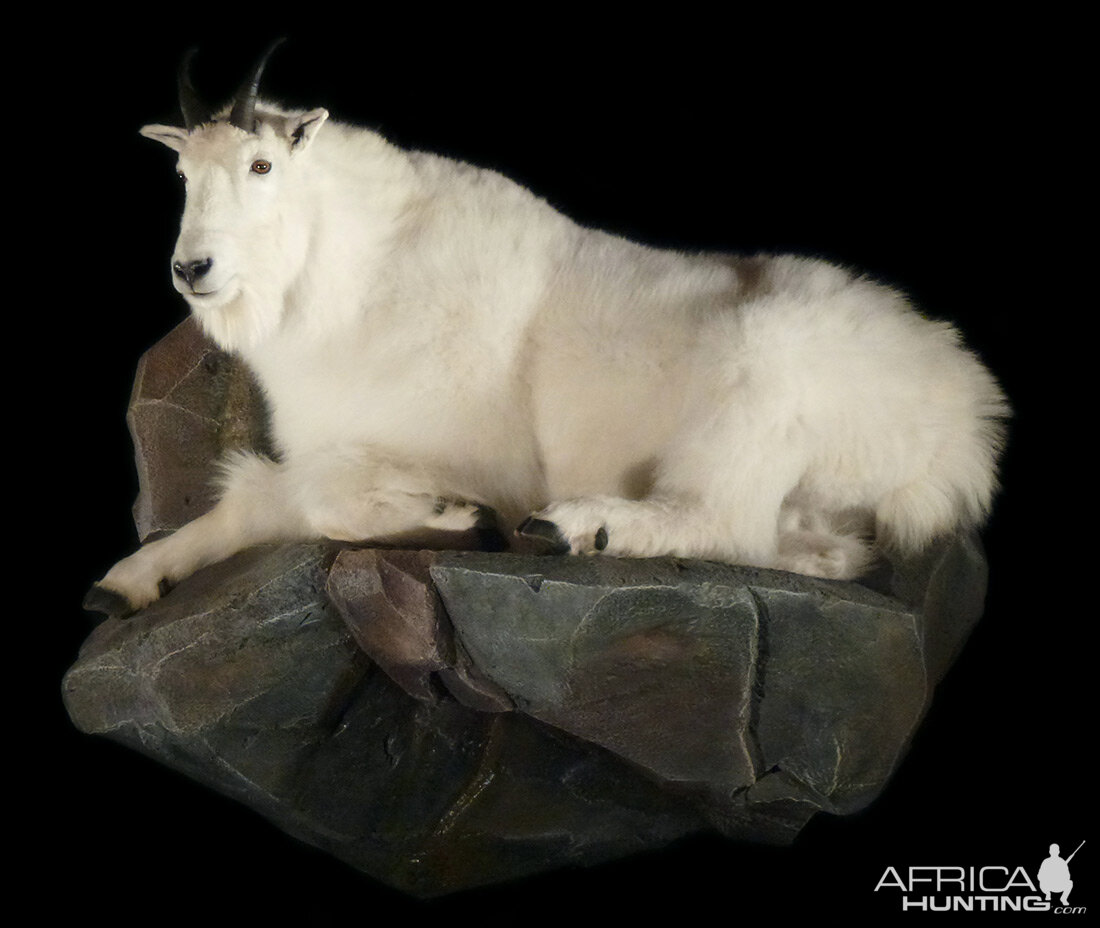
x: 302, y: 129
x: 172, y: 136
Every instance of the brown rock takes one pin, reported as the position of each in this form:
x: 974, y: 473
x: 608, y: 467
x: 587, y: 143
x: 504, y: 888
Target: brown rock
x: 192, y: 403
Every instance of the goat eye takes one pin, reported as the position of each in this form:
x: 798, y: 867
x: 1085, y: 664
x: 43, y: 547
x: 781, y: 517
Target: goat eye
x: 181, y: 176
x: 259, y: 166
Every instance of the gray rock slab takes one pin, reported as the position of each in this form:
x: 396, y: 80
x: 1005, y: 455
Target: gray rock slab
x: 706, y: 676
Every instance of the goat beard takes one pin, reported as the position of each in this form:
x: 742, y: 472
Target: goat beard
x: 239, y: 321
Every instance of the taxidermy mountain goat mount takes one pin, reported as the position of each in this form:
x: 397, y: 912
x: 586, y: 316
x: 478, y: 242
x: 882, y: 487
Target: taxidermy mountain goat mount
x: 441, y: 349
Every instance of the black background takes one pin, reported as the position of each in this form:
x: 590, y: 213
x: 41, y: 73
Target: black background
x: 940, y: 155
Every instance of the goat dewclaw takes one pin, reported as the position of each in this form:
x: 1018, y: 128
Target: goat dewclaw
x: 804, y: 428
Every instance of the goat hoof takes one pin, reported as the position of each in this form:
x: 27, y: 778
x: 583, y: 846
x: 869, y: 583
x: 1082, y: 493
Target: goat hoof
x: 108, y: 602
x: 487, y: 530
x: 486, y: 517
x: 547, y: 534
x: 601, y: 538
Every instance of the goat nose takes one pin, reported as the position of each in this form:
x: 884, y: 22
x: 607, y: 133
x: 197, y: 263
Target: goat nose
x: 190, y: 271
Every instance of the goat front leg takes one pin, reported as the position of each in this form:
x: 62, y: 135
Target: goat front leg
x: 370, y: 495
x: 253, y: 508
x: 359, y: 496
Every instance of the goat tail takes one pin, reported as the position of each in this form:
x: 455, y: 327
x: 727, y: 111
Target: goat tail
x: 954, y: 494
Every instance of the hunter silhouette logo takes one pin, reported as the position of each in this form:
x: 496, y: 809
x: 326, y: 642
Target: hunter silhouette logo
x: 1054, y: 874
x: 992, y: 888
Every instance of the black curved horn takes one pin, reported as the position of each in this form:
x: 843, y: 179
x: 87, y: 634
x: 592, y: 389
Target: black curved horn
x: 195, y: 112
x: 244, y: 103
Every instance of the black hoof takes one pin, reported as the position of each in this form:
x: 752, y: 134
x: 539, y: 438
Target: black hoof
x: 108, y: 602
x: 487, y: 530
x: 601, y: 538
x: 491, y: 540
x: 547, y: 534
x: 486, y: 518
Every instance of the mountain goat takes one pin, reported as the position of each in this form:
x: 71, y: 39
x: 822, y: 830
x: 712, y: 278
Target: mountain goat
x: 438, y: 346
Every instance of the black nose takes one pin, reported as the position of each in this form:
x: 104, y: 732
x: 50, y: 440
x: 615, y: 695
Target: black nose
x: 191, y: 271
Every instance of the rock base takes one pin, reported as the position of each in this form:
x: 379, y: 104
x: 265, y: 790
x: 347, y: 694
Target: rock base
x: 447, y: 720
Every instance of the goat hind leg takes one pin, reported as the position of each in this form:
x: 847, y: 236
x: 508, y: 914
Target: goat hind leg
x: 761, y: 534
x: 659, y: 525
x: 717, y: 496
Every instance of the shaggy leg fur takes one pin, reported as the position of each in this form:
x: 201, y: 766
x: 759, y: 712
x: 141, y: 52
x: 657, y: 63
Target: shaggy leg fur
x: 729, y: 493
x: 653, y: 528
x: 351, y: 498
